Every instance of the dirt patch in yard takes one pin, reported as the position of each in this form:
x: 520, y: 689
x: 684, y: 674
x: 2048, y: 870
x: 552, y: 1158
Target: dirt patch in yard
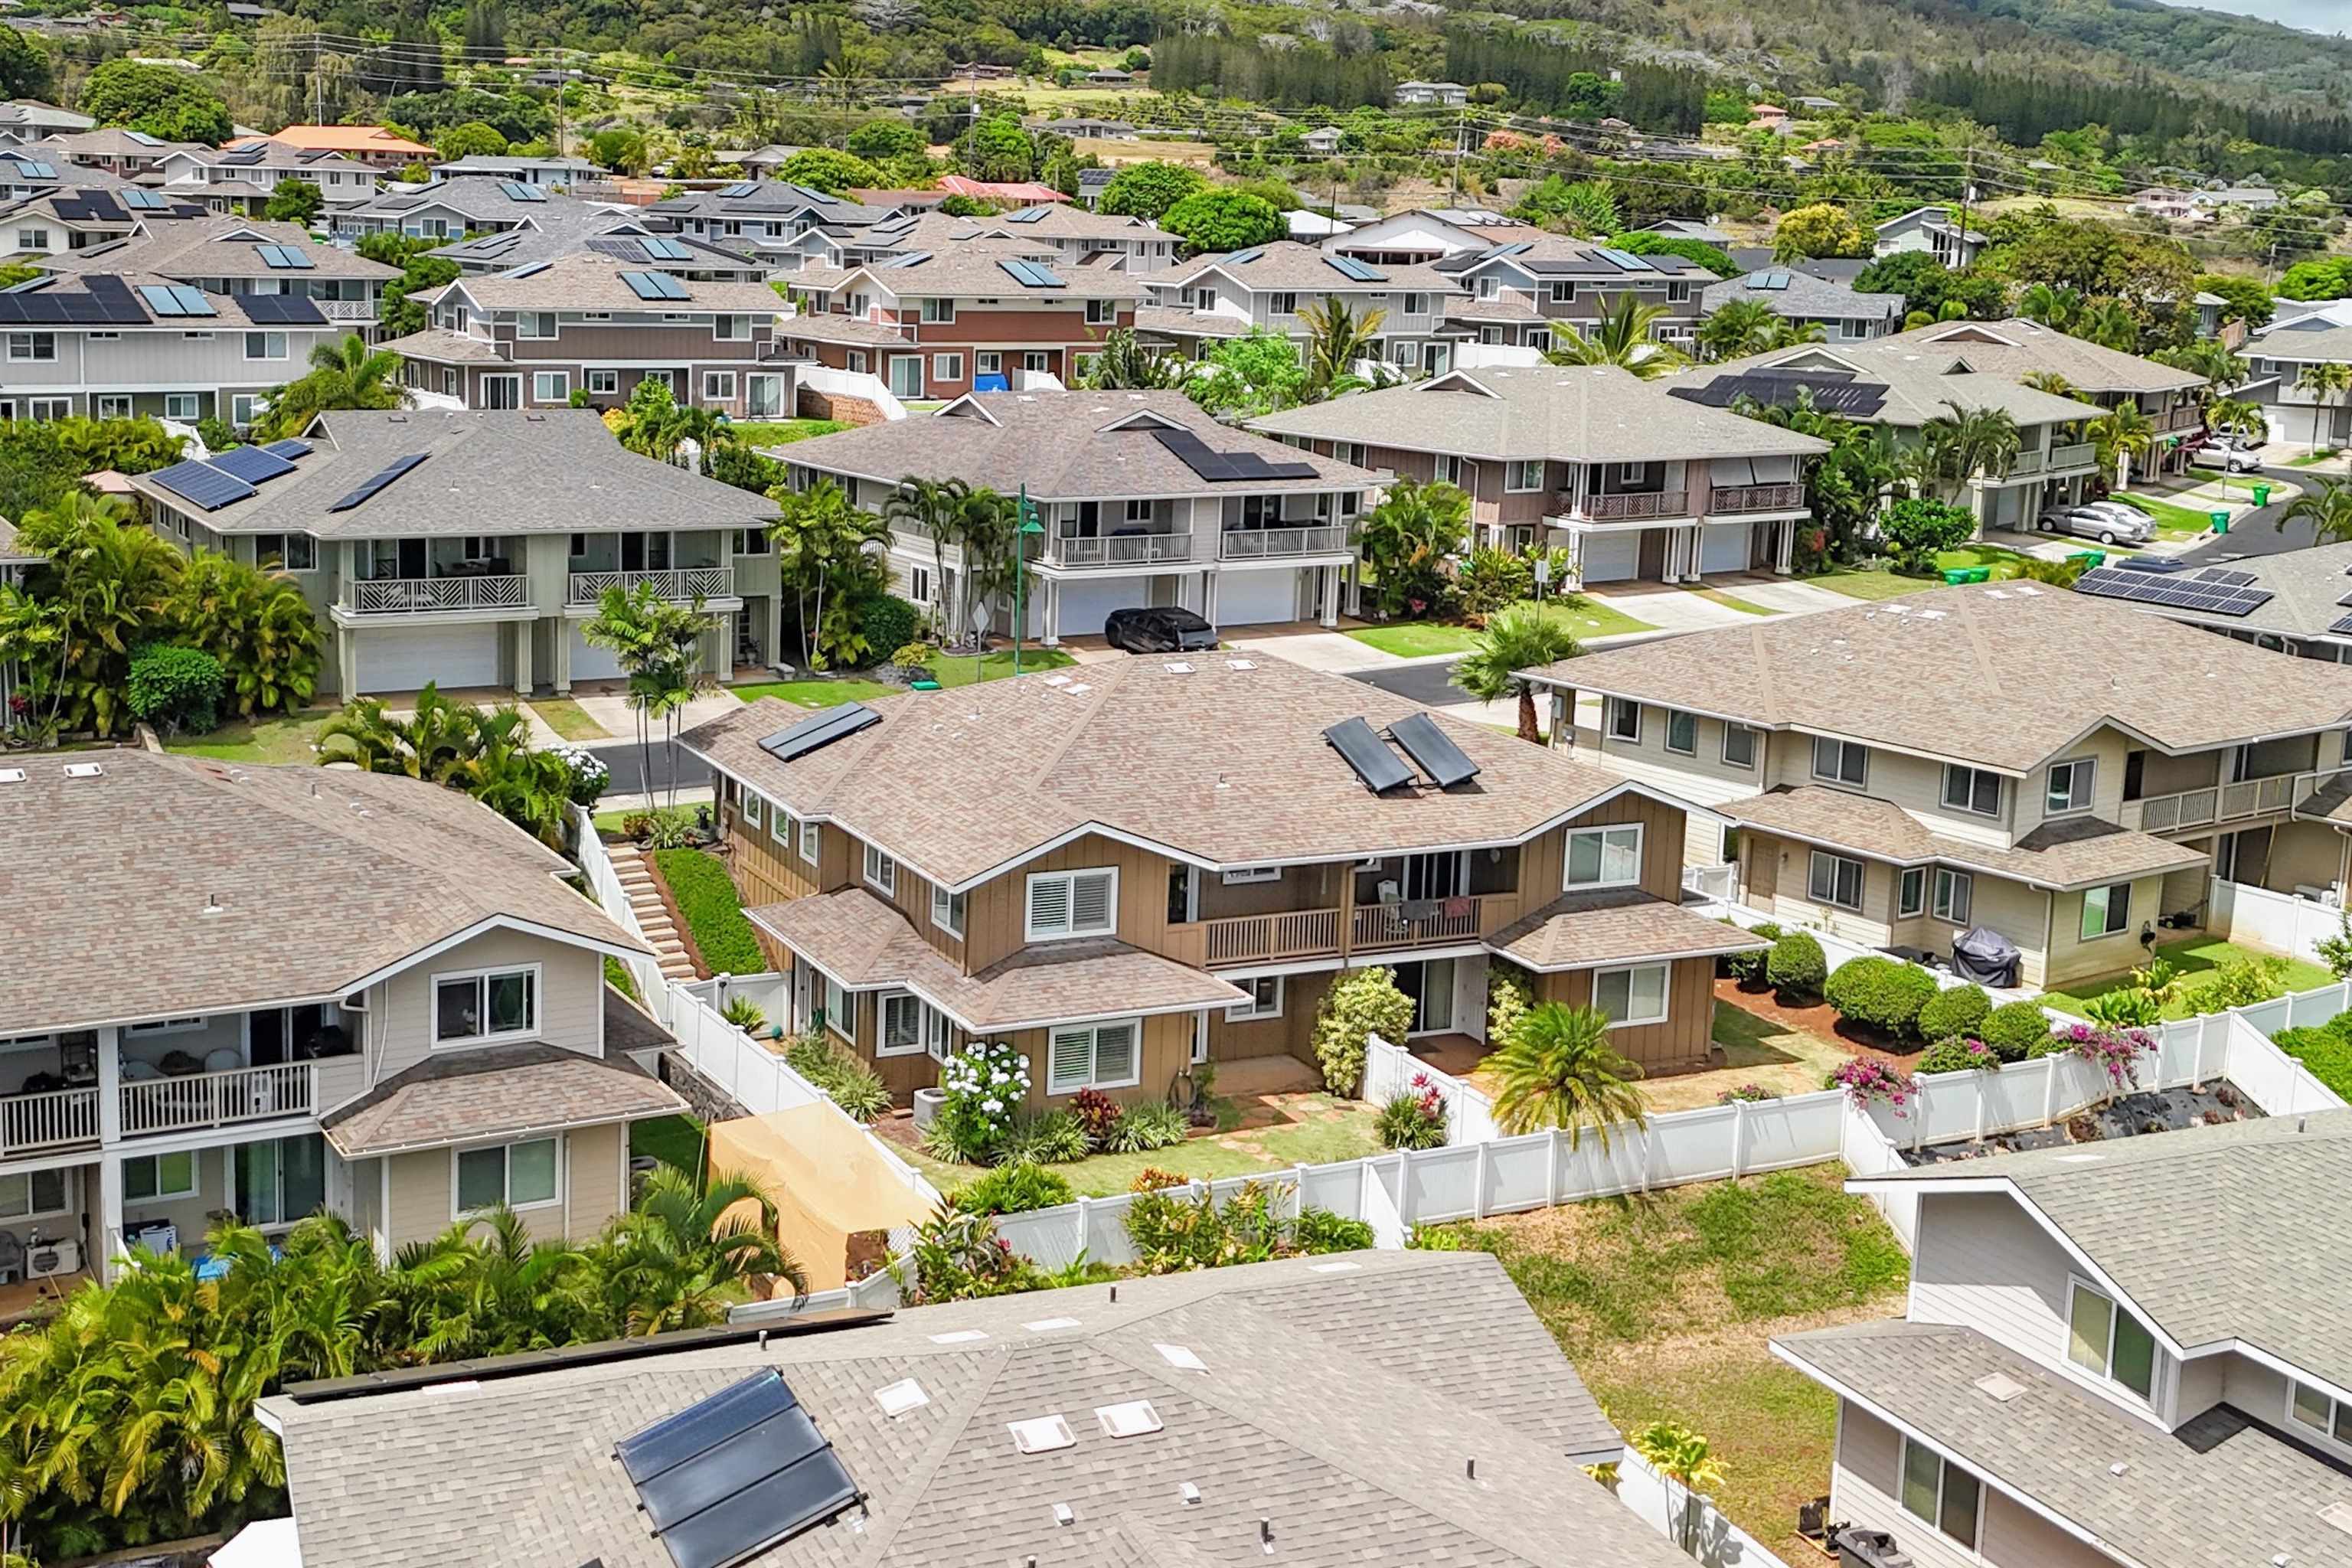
x: 1818, y: 1019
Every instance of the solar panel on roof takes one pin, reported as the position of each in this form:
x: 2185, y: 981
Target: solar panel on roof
x: 162, y: 298
x: 283, y: 310
x: 34, y: 285
x: 289, y: 447
x: 1832, y: 392
x: 517, y: 191
x: 1512, y: 250
x: 286, y: 258
x: 1030, y: 275
x: 1243, y: 258
x: 527, y: 269
x: 836, y: 723
x: 731, y: 1475
x: 254, y: 464
x: 1380, y: 769
x: 1625, y: 260
x: 1433, y: 750
x: 2216, y: 575
x: 359, y: 497
x: 1347, y: 266
x: 739, y: 190
x: 192, y: 300
x: 34, y: 169
x: 1221, y: 467
x: 661, y: 248
x: 2171, y: 592
x: 1028, y: 214
x: 810, y: 193
x: 145, y: 201
x: 203, y: 485
x: 654, y: 285
x: 908, y: 258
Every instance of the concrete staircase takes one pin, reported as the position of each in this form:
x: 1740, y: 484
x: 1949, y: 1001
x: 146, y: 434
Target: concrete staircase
x: 653, y: 915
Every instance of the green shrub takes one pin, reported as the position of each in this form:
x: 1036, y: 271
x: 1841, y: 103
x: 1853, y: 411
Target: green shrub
x: 1358, y: 1006
x: 2242, y: 982
x: 745, y: 1015
x: 1796, y: 968
x: 2014, y: 1028
x: 2325, y: 1052
x: 915, y: 656
x: 2048, y: 1046
x: 1013, y: 1189
x: 1507, y: 999
x: 175, y: 688
x: 834, y: 1067
x: 1320, y: 1230
x: 1152, y: 1124
x: 1748, y: 968
x: 1956, y: 1055
x: 705, y: 895
x: 1046, y: 1138
x: 1413, y: 1117
x: 1959, y: 1011
x: 888, y: 622
x: 1490, y: 579
x: 1882, y: 993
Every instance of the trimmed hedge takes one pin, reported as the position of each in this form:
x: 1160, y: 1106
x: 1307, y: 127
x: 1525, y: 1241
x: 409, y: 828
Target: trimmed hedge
x: 2014, y: 1028
x: 1749, y: 967
x: 1797, y: 967
x: 888, y: 623
x: 1960, y: 1011
x: 2326, y: 1051
x: 1882, y: 993
x: 713, y: 911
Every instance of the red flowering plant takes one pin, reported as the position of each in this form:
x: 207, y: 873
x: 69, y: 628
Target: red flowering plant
x: 1866, y: 1079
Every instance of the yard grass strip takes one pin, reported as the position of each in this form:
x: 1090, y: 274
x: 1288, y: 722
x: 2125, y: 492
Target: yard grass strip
x: 713, y: 911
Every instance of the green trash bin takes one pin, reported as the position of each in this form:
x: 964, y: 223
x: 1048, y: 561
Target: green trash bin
x: 2088, y: 558
x: 2262, y: 495
x: 1955, y: 575
x: 1979, y: 573
x: 2221, y: 522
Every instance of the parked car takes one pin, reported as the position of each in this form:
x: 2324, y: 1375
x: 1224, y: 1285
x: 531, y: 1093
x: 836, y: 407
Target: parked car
x: 1161, y: 629
x: 2105, y: 527
x: 2232, y: 455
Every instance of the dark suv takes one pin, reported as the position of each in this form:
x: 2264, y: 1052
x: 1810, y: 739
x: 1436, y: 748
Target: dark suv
x: 1164, y: 629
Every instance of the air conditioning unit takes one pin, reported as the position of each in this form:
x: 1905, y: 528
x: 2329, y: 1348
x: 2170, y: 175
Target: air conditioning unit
x: 50, y: 1257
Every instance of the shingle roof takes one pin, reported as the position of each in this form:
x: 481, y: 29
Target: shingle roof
x: 478, y: 197
x: 585, y: 280
x: 1583, y: 930
x: 601, y: 233
x: 321, y: 877
x: 1341, y: 1406
x: 2304, y: 585
x: 769, y: 200
x: 1805, y: 297
x: 346, y: 138
x: 2075, y: 852
x: 976, y: 266
x: 502, y: 1092
x: 2013, y: 350
x: 2313, y: 344
x: 1063, y: 447
x: 1045, y: 221
x: 1289, y: 265
x: 2232, y: 1252
x: 2219, y: 1490
x: 534, y: 471
x: 223, y: 246
x: 1541, y: 255
x: 1918, y: 385
x: 1583, y: 415
x: 1226, y: 764
x: 833, y: 327
x: 442, y: 346
x: 1967, y: 673
x: 1172, y: 320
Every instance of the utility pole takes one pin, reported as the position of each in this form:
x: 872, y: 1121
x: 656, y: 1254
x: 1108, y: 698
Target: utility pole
x: 1461, y: 130
x: 1968, y: 196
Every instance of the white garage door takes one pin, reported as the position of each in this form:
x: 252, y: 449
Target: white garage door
x: 405, y: 658
x: 1611, y: 557
x: 1253, y: 598
x: 1087, y: 602
x: 590, y: 663
x: 1723, y: 547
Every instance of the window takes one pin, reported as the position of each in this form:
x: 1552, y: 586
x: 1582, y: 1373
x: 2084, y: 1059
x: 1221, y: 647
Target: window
x: 32, y: 239
x: 1402, y: 352
x: 1739, y: 745
x: 1521, y: 477
x: 49, y: 408
x: 2306, y: 1406
x: 987, y: 362
x: 1955, y: 891
x: 519, y: 1175
x: 1447, y: 470
x: 551, y: 386
x: 1101, y: 312
x: 1624, y: 719
x: 2070, y: 787
x: 1941, y: 1493
x: 1604, y: 856
x: 167, y: 1025
x: 489, y: 1005
x: 881, y: 871
x: 1238, y: 875
x: 1416, y: 304
x: 184, y: 405
x: 1489, y: 288
x: 728, y: 328
x: 607, y: 383
x: 265, y: 345
x: 1563, y: 293
x: 1093, y: 1056
x: 2103, y: 1339
x: 293, y: 552
x: 947, y: 367
x: 752, y: 806
x: 1265, y: 1000
x: 154, y: 1176
x: 810, y: 841
x: 1841, y: 762
x: 2107, y: 911
x: 195, y: 337
x: 1834, y: 879
x: 899, y: 1023
x: 534, y: 323
x: 718, y: 386
x: 1282, y: 304
x: 1971, y: 790
x: 856, y: 361
x: 32, y: 346
x: 1678, y: 293
x: 35, y: 1192
x: 937, y: 310
x: 1072, y: 903
x: 1682, y: 732
x: 840, y: 1009
x: 919, y: 584
x: 1630, y: 997
x: 116, y: 406
x: 1911, y: 892
x: 947, y: 910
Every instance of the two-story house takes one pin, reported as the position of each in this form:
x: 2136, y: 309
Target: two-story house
x: 978, y: 316
x: 126, y: 154
x: 27, y: 119
x: 1145, y: 500
x: 2298, y: 411
x: 372, y: 145
x: 634, y: 242
x: 1844, y: 313
x: 1900, y: 773
x: 244, y: 258
x: 117, y: 343
x: 1932, y: 229
x: 2132, y: 1358
x: 452, y: 209
x: 471, y: 549
x: 1634, y: 483
x: 1061, y: 231
x: 1195, y: 849
x: 1426, y: 234
x: 242, y: 179
x: 764, y: 216
x: 76, y: 218
x: 548, y: 171
x: 289, y: 1017
x: 1527, y: 289
x: 531, y: 336
x: 1199, y: 303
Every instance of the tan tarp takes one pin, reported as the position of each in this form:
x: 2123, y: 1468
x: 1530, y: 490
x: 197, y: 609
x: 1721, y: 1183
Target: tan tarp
x: 828, y: 1180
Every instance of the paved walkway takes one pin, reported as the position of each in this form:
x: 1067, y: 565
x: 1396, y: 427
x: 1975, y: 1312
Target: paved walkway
x: 653, y: 915
x: 1309, y: 645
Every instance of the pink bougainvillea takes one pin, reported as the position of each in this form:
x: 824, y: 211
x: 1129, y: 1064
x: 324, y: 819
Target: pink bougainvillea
x: 1867, y: 1078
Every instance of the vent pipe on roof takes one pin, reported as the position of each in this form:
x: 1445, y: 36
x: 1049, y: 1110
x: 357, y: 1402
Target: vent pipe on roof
x: 1470, y: 1468
x: 1266, y: 1533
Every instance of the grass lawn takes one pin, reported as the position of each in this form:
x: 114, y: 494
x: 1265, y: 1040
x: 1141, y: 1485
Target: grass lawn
x: 2308, y: 459
x: 2199, y: 960
x: 1665, y: 1304
x: 288, y: 739
x: 783, y: 431
x: 1330, y: 1130
x: 1731, y: 601
x: 1760, y: 1051
x: 713, y: 911
x: 824, y: 692
x: 673, y: 1140
x: 1586, y: 617
x: 1853, y: 584
x: 2178, y: 521
x: 569, y: 720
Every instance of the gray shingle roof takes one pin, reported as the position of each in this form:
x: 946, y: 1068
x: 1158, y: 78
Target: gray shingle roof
x: 475, y: 197
x: 1597, y: 415
x: 2234, y: 1251
x: 1805, y: 298
x: 1290, y: 265
x: 2012, y: 351
x: 2315, y: 345
x: 322, y: 876
x: 2305, y: 588
x: 975, y: 267
x: 505, y: 1091
x: 1341, y: 1406
x: 1918, y: 385
x: 2219, y: 1490
x: 585, y: 280
x: 1860, y: 673
x: 769, y: 200
x: 224, y: 246
x: 530, y: 472
x: 596, y: 231
x: 1582, y: 931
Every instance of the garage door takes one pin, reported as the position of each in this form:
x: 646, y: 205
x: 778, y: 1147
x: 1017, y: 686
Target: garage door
x: 1611, y: 557
x: 405, y: 658
x: 1087, y: 602
x: 591, y: 663
x: 1723, y: 547
x: 1252, y: 598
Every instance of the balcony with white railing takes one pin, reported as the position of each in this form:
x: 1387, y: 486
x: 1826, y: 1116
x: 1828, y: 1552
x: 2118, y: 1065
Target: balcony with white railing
x: 1725, y: 501
x: 2194, y: 809
x: 683, y: 586
x: 1117, y: 550
x: 2024, y: 465
x: 55, y: 1119
x: 1636, y: 506
x: 201, y: 1100
x: 1272, y: 543
x: 2074, y: 455
x: 432, y: 596
x: 347, y: 309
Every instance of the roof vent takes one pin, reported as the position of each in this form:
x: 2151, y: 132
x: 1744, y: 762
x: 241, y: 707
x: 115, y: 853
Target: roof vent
x: 84, y: 771
x: 2080, y: 1159
x: 1047, y: 1325
x: 213, y: 905
x: 12, y: 775
x: 1333, y: 1267
x: 1241, y: 664
x: 2001, y: 1387
x: 959, y: 1336
x: 1181, y: 1358
x: 1041, y: 1434
x: 1189, y: 1493
x: 2119, y: 1469
x: 1062, y: 1516
x: 1180, y: 670
x: 1136, y: 1418
x: 898, y: 1399
x: 2338, y: 1514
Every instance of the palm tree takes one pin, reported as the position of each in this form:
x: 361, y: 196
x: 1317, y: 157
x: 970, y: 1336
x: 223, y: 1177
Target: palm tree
x: 2121, y: 434
x: 657, y: 643
x: 1622, y: 337
x: 1734, y: 330
x: 675, y: 1260
x: 1405, y: 540
x: 530, y: 788
x: 345, y: 373
x: 433, y: 738
x: 2207, y: 357
x: 935, y: 508
x: 1961, y: 443
x: 1126, y: 365
x: 1337, y: 337
x: 2325, y: 380
x: 2236, y: 416
x: 2328, y: 509
x: 496, y: 1295
x: 2055, y: 306
x: 1557, y: 1070
x: 1681, y: 1457
x: 2110, y: 324
x: 111, y: 580
x: 2048, y: 381
x: 1521, y: 638
x: 820, y: 528
x: 1787, y: 333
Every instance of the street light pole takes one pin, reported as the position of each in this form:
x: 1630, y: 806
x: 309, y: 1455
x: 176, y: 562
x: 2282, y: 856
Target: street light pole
x: 1027, y: 526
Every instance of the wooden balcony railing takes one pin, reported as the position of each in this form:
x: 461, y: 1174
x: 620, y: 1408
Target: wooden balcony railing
x: 1251, y: 939
x: 2222, y: 802
x: 683, y: 586
x: 58, y: 1118
x: 1425, y: 923
x: 422, y: 595
x: 1726, y: 498
x: 1634, y: 508
x: 216, y: 1098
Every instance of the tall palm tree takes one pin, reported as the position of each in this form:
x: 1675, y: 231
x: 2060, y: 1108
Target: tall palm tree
x: 1406, y: 538
x: 934, y: 506
x: 2325, y: 381
x: 2110, y: 324
x: 1520, y: 639
x: 1961, y: 443
x: 437, y: 736
x: 819, y: 530
x: 345, y: 373
x: 624, y: 624
x: 2207, y: 357
x: 673, y: 1260
x: 1337, y: 337
x: 502, y: 1292
x: 2123, y: 436
x: 1734, y: 330
x: 1622, y: 337
x: 1557, y: 1070
x: 2055, y: 306
x: 2327, y: 508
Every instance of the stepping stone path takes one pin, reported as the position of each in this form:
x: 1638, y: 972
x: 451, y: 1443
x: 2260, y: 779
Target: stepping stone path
x: 652, y: 916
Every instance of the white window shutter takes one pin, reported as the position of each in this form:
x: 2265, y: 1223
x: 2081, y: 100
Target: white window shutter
x: 1115, y: 1053
x: 1049, y: 905
x: 1090, y: 902
x: 1070, y: 1060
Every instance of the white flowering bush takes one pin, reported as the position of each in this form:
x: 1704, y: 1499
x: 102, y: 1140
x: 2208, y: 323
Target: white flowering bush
x: 589, y: 773
x: 986, y: 1084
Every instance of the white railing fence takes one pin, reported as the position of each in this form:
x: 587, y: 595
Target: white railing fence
x: 604, y: 882
x: 2281, y: 921
x: 216, y: 1099
x: 1390, y: 1070
x: 50, y: 1119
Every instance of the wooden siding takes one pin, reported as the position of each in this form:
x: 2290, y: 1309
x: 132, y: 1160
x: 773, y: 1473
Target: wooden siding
x: 1680, y: 1043
x: 1167, y: 1049
x: 570, y: 996
x: 1543, y: 873
x: 995, y: 914
x: 1293, y: 1033
x: 1865, y: 1488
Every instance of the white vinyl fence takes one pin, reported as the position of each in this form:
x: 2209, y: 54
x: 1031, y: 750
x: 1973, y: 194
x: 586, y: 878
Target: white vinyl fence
x: 1390, y: 1070
x: 604, y: 882
x: 2281, y: 921
x: 1660, y: 1503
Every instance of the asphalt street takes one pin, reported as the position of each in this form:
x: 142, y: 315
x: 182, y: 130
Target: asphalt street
x: 2258, y: 533
x: 629, y: 776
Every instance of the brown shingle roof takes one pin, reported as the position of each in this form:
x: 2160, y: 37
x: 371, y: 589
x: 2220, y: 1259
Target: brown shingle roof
x: 501, y: 1092
x: 1583, y: 930
x: 2076, y: 852
x: 588, y: 282
x: 1290, y: 265
x: 975, y: 267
